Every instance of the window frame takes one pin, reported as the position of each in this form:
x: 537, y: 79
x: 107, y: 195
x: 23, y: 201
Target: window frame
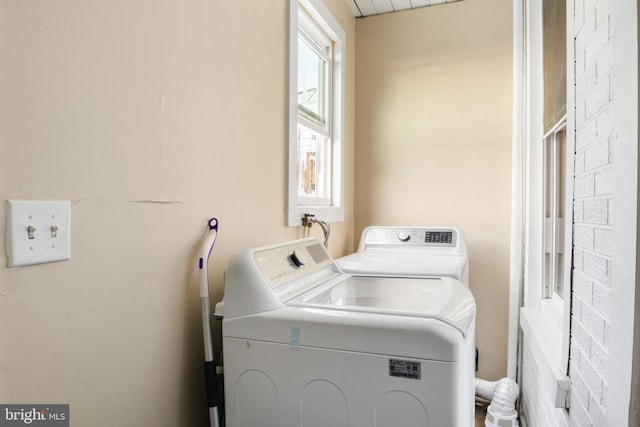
x: 333, y: 209
x: 545, y: 322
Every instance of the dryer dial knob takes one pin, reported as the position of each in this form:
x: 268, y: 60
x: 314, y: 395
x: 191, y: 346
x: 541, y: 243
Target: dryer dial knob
x: 298, y: 258
x: 404, y: 236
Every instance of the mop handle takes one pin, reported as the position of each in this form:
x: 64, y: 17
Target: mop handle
x: 209, y: 363
x: 205, y: 252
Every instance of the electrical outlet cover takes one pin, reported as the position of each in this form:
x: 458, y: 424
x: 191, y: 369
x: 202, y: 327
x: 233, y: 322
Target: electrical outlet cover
x: 49, y: 238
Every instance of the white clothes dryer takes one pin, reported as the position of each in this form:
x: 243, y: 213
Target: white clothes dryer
x: 307, y: 345
x: 410, y: 251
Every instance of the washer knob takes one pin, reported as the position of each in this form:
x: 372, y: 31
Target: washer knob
x: 404, y: 236
x: 298, y: 258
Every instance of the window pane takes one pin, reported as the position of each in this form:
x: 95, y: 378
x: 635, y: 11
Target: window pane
x: 314, y: 154
x: 312, y: 70
x: 554, y: 192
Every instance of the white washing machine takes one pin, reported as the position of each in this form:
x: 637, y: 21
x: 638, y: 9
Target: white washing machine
x: 410, y: 251
x: 306, y: 345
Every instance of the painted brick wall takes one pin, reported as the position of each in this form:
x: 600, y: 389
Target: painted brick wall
x: 593, y: 188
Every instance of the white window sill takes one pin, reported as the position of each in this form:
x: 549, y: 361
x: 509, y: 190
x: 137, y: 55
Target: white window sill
x: 545, y: 337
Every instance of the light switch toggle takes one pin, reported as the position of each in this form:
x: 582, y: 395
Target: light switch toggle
x: 31, y: 232
x: 54, y: 231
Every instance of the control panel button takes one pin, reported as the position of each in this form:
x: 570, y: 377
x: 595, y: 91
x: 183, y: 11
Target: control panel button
x: 404, y: 236
x: 298, y: 258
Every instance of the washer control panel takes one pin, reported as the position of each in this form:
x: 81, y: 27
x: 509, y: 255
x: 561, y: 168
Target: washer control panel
x: 411, y: 236
x: 285, y: 263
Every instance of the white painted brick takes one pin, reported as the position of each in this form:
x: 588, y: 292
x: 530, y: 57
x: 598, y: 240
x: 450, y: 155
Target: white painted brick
x: 578, y: 164
x: 602, y: 300
x: 603, y: 12
x: 596, y: 211
x: 604, y: 63
x: 580, y: 61
x: 578, y: 211
x: 592, y: 380
x: 602, y: 240
x: 587, y: 134
x: 575, y: 353
x: 586, y: 32
x: 581, y: 112
x: 580, y: 338
x: 599, y: 97
x: 578, y: 413
x: 578, y: 259
x: 604, y: 123
x: 604, y: 181
x: 599, y: 358
x: 610, y: 214
x: 579, y: 389
x: 595, y: 266
x: 583, y: 236
x: 582, y: 288
x: 586, y: 82
x: 584, y: 186
x: 590, y: 6
x: 596, y: 413
x: 578, y: 14
x: 576, y: 307
x: 597, y: 42
x: 607, y: 335
x: 596, y: 155
x: 593, y: 323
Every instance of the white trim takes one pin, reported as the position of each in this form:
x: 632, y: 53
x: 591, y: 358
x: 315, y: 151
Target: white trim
x: 516, y: 267
x: 533, y: 152
x: 294, y: 212
x: 570, y: 143
x: 625, y: 215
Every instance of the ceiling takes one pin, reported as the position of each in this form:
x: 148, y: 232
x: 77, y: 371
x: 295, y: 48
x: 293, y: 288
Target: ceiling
x: 362, y: 8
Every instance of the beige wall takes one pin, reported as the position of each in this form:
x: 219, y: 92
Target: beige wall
x: 150, y: 117
x: 433, y: 139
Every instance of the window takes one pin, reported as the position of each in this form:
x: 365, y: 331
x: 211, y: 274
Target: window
x: 554, y: 166
x: 316, y: 100
x: 547, y: 125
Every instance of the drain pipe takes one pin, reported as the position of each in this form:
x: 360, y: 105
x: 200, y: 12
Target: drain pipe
x: 502, y: 394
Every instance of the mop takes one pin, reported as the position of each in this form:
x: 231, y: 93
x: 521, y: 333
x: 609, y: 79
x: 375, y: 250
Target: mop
x: 209, y: 364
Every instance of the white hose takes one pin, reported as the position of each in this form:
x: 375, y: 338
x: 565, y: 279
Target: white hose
x: 484, y: 389
x: 503, y: 395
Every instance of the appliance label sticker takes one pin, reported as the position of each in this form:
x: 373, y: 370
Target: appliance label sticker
x: 294, y: 342
x: 404, y: 369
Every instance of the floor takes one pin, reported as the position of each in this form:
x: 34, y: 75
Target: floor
x: 481, y: 413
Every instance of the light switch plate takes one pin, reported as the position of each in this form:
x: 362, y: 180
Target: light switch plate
x: 37, y: 231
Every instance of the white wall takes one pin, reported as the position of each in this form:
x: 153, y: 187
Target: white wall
x: 433, y: 139
x: 593, y: 221
x: 150, y: 117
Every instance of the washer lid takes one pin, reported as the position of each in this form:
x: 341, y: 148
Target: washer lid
x: 441, y: 298
x: 403, y: 263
